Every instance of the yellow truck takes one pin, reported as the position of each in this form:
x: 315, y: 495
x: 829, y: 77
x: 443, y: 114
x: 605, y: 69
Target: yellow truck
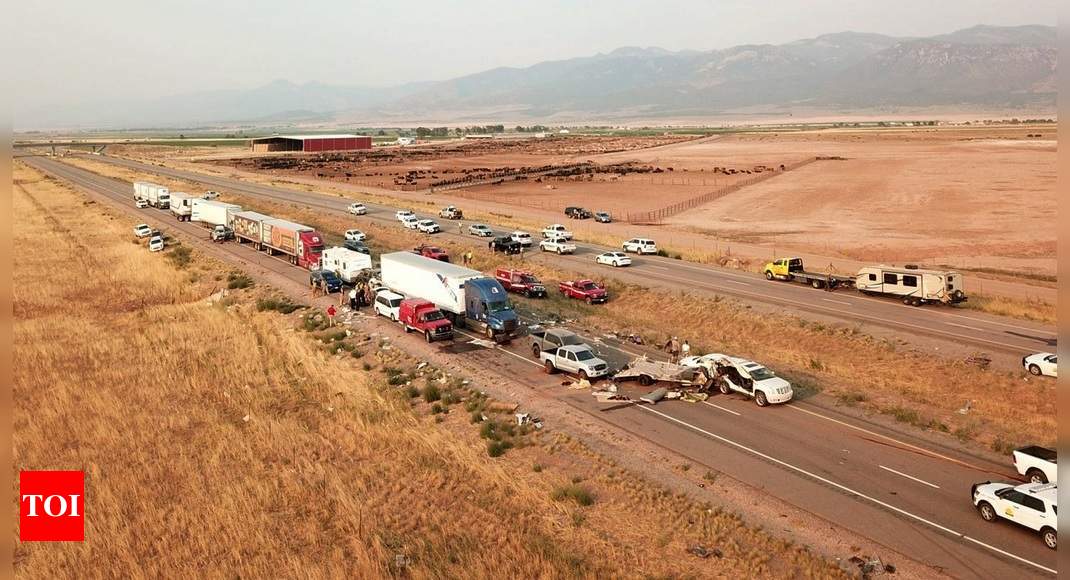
x: 791, y: 269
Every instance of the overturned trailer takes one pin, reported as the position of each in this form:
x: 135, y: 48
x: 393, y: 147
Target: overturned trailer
x: 648, y: 372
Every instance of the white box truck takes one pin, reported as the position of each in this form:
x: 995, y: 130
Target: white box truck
x: 345, y: 263
x: 181, y: 205
x: 915, y: 285
x: 467, y: 296
x: 156, y: 195
x: 212, y: 213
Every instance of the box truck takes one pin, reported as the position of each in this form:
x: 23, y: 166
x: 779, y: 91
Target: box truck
x: 468, y: 297
x: 345, y: 263
x: 302, y: 244
x: 181, y: 205
x: 212, y: 213
x: 156, y: 195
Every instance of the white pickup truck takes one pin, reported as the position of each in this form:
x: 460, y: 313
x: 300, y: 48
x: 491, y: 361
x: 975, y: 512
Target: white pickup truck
x: 736, y: 375
x: 556, y: 231
x: 557, y: 245
x: 577, y: 359
x: 1038, y: 464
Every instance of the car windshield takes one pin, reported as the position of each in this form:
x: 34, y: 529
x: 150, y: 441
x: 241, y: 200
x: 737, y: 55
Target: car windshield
x: 315, y: 249
x: 760, y: 373
x: 528, y: 279
x: 434, y: 315
x: 584, y: 354
x: 498, y: 306
x: 589, y: 286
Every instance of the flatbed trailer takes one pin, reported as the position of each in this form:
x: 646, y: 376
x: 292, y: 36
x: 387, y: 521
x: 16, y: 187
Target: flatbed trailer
x: 648, y: 372
x: 791, y: 270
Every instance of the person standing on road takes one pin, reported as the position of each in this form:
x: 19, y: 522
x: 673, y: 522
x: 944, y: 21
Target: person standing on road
x: 685, y: 350
x: 674, y: 349
x: 468, y: 257
x: 460, y: 228
x: 353, y: 299
x: 330, y: 314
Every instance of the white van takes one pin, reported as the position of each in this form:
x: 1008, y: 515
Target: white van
x: 345, y: 263
x: 916, y: 285
x: 388, y: 304
x: 640, y: 246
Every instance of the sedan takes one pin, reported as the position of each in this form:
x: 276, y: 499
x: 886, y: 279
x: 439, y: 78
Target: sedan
x: 142, y: 230
x: 428, y: 226
x: 355, y: 236
x: 357, y: 247
x: 357, y: 209
x: 481, y: 230
x: 615, y: 259
x: 1042, y: 364
x: 141, y: 204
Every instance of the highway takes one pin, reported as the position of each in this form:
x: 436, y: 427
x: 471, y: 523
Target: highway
x: 900, y: 491
x: 956, y: 331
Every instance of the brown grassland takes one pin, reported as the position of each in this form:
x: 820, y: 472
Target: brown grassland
x: 1007, y: 409
x: 218, y: 440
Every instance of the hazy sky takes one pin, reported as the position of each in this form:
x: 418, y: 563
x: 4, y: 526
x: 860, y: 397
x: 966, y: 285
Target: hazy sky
x: 68, y: 51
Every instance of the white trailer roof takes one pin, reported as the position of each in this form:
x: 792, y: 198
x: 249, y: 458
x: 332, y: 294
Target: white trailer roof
x: 252, y: 215
x: 443, y: 268
x: 287, y: 224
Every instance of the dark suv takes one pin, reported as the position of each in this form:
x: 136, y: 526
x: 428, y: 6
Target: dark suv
x: 577, y: 213
x: 505, y: 244
x: 357, y: 247
x: 319, y: 277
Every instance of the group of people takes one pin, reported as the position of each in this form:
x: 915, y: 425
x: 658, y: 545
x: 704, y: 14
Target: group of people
x: 677, y: 350
x: 359, y: 295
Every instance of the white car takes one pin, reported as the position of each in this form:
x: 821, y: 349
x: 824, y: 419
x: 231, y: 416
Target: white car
x: 388, y: 304
x: 355, y: 236
x: 428, y: 226
x: 1031, y: 505
x: 410, y: 221
x: 357, y: 209
x: 640, y: 246
x: 155, y: 244
x: 480, y: 230
x: 141, y: 203
x: 743, y: 376
x: 1042, y: 364
x: 401, y: 214
x: 210, y: 195
x: 615, y: 259
x: 556, y: 230
x: 557, y: 245
x: 142, y: 230
x: 522, y: 238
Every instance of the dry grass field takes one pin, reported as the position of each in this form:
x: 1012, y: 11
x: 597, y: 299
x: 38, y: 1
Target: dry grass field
x: 219, y: 441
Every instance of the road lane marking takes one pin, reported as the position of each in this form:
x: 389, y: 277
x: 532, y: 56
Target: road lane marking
x: 738, y: 282
x: 964, y: 326
x: 836, y: 301
x: 910, y: 477
x: 846, y: 489
x: 723, y: 409
x: 499, y: 347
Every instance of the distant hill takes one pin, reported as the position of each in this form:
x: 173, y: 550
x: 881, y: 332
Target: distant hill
x: 983, y: 67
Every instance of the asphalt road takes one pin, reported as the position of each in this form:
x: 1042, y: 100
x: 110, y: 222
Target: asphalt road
x: 955, y: 329
x: 896, y: 489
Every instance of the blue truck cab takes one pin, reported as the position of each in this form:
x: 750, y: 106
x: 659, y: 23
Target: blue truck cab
x: 487, y: 307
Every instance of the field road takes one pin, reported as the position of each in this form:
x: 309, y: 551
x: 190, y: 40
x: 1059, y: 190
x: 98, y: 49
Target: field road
x: 953, y: 332
x: 903, y: 492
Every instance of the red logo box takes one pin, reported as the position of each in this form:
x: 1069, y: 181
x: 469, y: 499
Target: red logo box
x: 51, y: 506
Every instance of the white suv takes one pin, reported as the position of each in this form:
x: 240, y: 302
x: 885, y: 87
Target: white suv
x: 1031, y: 505
x: 522, y: 238
x: 357, y: 209
x: 640, y: 246
x: 402, y: 214
x: 410, y: 221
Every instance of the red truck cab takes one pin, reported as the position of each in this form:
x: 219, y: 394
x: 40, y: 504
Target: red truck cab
x: 521, y: 282
x: 586, y: 290
x: 433, y: 252
x: 423, y: 316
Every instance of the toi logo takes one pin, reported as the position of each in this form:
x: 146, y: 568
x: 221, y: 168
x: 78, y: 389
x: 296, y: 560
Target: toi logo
x: 51, y: 506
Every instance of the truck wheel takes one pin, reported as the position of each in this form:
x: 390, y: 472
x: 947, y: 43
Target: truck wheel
x: 1050, y: 538
x: 724, y: 388
x: 588, y: 300
x: 583, y: 375
x: 1036, y: 476
x: 818, y: 284
x: 760, y: 399
x: 490, y: 333
x: 918, y: 302
x: 768, y: 275
x: 645, y: 380
x: 427, y: 336
x: 549, y: 368
x: 988, y: 513
x: 1034, y: 370
x: 535, y: 350
x: 559, y: 252
x: 407, y: 328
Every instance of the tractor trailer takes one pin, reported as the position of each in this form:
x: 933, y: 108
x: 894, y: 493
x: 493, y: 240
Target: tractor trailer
x: 181, y: 205
x: 212, y: 213
x: 468, y: 297
x: 157, y: 196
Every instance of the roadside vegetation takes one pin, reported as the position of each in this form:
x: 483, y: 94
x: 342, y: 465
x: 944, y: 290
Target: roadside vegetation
x: 223, y: 423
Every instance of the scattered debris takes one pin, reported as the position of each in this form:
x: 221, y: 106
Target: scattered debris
x: 704, y: 552
x: 528, y: 419
x: 654, y: 396
x: 980, y: 360
x: 966, y: 409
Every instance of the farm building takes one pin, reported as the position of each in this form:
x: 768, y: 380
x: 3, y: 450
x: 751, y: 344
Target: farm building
x: 312, y: 143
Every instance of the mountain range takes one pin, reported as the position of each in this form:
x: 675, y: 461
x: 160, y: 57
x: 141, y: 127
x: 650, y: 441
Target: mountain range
x: 983, y: 67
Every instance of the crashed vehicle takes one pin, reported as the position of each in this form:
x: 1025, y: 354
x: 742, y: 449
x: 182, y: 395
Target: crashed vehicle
x: 648, y: 372
x: 748, y: 378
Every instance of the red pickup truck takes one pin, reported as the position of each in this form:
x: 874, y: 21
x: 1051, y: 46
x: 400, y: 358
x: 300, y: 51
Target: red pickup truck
x: 521, y: 282
x: 433, y: 252
x: 423, y: 316
x: 586, y: 290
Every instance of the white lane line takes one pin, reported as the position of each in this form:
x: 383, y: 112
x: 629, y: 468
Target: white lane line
x: 964, y: 326
x: 498, y: 347
x: 656, y: 267
x: 910, y: 477
x: 723, y: 409
x: 847, y: 490
x: 836, y: 301
x: 738, y: 282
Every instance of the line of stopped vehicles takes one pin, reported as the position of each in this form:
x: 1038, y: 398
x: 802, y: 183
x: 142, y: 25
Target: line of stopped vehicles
x: 426, y: 293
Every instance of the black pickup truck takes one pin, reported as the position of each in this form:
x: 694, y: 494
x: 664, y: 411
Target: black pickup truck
x: 577, y: 213
x: 505, y: 244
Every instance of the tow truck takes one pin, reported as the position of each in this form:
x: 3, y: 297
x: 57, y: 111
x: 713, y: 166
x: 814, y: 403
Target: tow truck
x: 791, y: 269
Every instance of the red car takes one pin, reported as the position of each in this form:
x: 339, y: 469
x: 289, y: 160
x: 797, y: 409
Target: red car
x: 587, y: 290
x: 521, y: 282
x: 433, y: 252
x: 423, y: 316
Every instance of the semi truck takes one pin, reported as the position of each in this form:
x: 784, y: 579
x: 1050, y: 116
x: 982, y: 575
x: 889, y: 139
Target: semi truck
x: 466, y: 296
x: 157, y: 196
x: 212, y: 213
x: 345, y: 263
x: 246, y: 225
x: 181, y: 205
x: 301, y: 244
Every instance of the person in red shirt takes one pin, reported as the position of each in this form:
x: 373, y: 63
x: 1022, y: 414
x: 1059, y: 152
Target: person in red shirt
x: 330, y: 314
